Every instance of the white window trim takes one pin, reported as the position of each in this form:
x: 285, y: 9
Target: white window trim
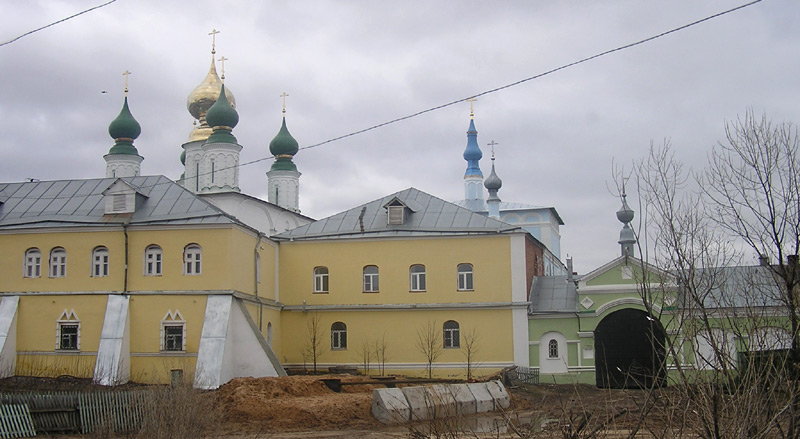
x: 172, y: 318
x: 103, y: 264
x: 336, y: 336
x: 35, y: 268
x: 374, y: 280
x: 320, y: 279
x: 159, y: 263
x: 455, y: 342
x: 68, y: 317
x: 415, y: 278
x: 193, y: 260
x: 57, y: 262
x: 464, y: 276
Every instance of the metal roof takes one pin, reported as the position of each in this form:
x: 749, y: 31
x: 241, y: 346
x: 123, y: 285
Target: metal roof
x: 479, y: 205
x: 425, y: 215
x: 64, y: 203
x: 736, y: 287
x: 553, y: 294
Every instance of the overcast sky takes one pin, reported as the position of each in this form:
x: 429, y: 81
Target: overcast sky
x: 348, y: 65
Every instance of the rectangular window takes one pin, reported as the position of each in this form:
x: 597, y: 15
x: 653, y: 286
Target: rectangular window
x: 118, y: 203
x: 173, y: 337
x: 371, y: 279
x: 465, y: 281
x: 68, y: 336
x: 321, y: 280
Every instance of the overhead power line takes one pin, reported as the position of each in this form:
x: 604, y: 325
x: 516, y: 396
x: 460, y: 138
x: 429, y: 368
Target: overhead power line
x: 493, y: 90
x: 56, y: 22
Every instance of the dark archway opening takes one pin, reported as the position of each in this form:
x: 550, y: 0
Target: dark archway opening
x: 630, y: 351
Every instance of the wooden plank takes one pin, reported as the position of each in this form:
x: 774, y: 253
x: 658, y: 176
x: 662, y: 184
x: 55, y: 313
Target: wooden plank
x: 15, y: 421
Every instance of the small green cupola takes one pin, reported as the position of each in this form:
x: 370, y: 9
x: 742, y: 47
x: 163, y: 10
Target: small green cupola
x: 283, y: 147
x: 124, y: 129
x: 222, y: 118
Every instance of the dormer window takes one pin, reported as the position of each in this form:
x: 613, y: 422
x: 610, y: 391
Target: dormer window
x: 120, y: 197
x: 397, y: 215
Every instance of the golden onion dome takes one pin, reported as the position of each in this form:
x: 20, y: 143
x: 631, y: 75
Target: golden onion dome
x: 202, y: 98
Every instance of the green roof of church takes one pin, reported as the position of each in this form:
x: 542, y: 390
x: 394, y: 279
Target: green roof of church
x: 283, y: 147
x: 222, y: 117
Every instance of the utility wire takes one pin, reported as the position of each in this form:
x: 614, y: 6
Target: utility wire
x: 493, y: 90
x: 56, y: 22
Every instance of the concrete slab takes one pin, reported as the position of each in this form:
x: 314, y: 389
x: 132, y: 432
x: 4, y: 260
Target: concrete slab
x: 483, y: 399
x: 499, y: 394
x: 389, y: 406
x: 464, y: 399
x: 443, y: 402
x: 420, y: 400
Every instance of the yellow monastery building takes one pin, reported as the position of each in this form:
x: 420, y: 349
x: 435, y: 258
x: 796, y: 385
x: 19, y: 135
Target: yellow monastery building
x: 142, y: 278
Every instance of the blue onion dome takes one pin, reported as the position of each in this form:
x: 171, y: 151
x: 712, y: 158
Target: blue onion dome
x: 283, y: 147
x: 472, y: 154
x: 222, y: 118
x: 124, y: 129
x: 493, y: 182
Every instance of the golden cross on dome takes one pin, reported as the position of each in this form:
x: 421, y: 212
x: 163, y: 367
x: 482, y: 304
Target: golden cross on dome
x: 213, y: 34
x: 283, y: 96
x: 492, y: 144
x: 471, y: 108
x: 125, y: 74
x: 222, y: 60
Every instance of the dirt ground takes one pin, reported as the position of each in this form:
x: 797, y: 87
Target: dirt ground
x: 304, y: 407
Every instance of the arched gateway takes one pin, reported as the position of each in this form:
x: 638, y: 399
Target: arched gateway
x: 630, y: 350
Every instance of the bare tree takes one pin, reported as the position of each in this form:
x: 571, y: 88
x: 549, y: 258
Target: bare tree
x: 382, y: 353
x: 696, y: 227
x: 365, y: 352
x: 315, y: 341
x: 470, y: 349
x: 429, y: 343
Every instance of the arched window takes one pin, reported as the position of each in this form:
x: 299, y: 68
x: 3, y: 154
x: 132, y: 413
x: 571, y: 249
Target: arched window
x: 338, y: 336
x: 100, y: 262
x: 465, y: 277
x: 552, y: 348
x: 417, y: 277
x: 450, y: 331
x: 58, y: 262
x: 370, y: 279
x: 33, y: 263
x: 321, y: 279
x: 152, y: 261
x: 192, y: 260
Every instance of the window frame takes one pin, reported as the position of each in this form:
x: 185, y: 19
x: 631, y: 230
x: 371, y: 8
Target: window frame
x: 370, y: 281
x: 451, y: 335
x: 466, y: 278
x: 156, y: 266
x: 57, y: 263
x: 32, y: 268
x: 417, y: 279
x: 552, y: 349
x: 321, y: 280
x: 338, y: 336
x: 100, y: 268
x: 68, y: 319
x: 192, y: 260
x: 172, y: 319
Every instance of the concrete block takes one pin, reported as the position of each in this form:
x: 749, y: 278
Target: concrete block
x: 464, y: 399
x: 389, y: 406
x: 499, y: 394
x: 483, y: 399
x: 443, y: 402
x: 420, y: 400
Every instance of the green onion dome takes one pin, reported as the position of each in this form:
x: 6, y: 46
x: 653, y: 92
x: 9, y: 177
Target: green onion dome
x: 283, y: 147
x: 124, y: 129
x: 222, y: 118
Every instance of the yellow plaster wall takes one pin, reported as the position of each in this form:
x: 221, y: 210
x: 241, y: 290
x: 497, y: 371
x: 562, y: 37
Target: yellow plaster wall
x: 78, y: 245
x: 401, y: 328
x: 490, y: 257
x: 37, y: 318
